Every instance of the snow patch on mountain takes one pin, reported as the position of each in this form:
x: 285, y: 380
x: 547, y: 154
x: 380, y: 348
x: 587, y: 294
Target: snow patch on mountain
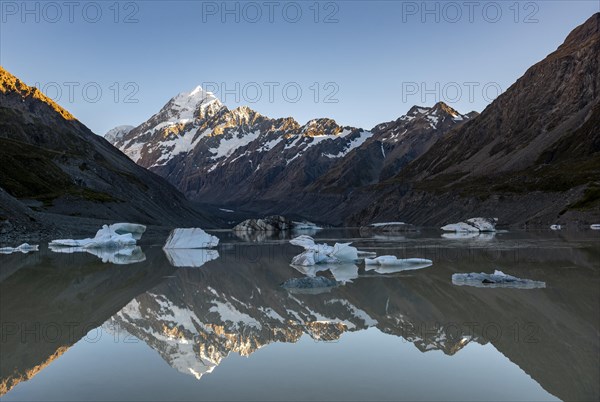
x: 117, y: 133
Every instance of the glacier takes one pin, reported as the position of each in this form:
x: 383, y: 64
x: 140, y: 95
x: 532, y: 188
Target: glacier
x: 496, y: 280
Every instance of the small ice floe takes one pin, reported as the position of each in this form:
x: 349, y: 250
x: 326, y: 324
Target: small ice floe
x: 226, y: 210
x: 23, y: 248
x: 496, y: 280
x: 105, y: 238
x: 388, y: 228
x: 389, y: 264
x: 595, y: 227
x: 322, y: 253
x: 381, y: 224
x: 309, y: 284
x: 190, y: 258
x: 305, y: 227
x: 555, y: 227
x: 121, y: 256
x: 473, y: 225
x: 190, y: 238
x: 135, y: 229
x: 392, y: 260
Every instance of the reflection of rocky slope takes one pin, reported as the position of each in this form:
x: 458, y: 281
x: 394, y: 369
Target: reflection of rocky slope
x: 197, y: 318
x: 60, y: 297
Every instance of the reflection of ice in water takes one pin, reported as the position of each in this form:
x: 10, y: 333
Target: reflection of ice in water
x: 192, y: 258
x: 341, y: 272
x: 470, y: 235
x: 122, y: 256
x: 496, y: 280
x: 23, y: 248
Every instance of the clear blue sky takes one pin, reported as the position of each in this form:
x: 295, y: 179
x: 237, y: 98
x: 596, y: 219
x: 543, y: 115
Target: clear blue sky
x: 375, y: 58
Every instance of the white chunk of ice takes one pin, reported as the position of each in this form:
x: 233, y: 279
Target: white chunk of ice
x: 105, y: 238
x: 190, y: 238
x: 322, y: 253
x: 391, y: 260
x: 473, y: 225
x: 135, y: 229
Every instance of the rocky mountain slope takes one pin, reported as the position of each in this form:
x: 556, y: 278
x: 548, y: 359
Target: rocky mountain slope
x: 532, y: 156
x: 242, y: 158
x: 53, y: 166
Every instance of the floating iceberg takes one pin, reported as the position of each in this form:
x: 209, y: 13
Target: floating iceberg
x: 190, y: 258
x: 190, y: 238
x: 595, y: 227
x: 473, y: 225
x: 389, y: 264
x: 496, y: 280
x: 309, y: 284
x: 122, y: 256
x: 23, y: 248
x: 391, y: 260
x: 322, y: 253
x: 135, y: 229
x: 105, y: 238
x: 305, y: 227
x: 380, y: 224
x: 555, y: 227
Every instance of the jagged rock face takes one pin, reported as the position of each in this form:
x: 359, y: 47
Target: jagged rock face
x: 49, y: 156
x: 391, y: 147
x: 238, y: 156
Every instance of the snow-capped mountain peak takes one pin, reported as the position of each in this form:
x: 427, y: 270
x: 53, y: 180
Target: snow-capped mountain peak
x: 193, y: 104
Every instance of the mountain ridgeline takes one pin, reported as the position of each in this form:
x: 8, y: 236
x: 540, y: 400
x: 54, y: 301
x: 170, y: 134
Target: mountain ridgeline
x: 241, y: 158
x: 55, y: 170
x: 531, y: 157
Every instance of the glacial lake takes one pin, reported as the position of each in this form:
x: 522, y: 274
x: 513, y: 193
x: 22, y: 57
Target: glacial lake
x: 77, y: 328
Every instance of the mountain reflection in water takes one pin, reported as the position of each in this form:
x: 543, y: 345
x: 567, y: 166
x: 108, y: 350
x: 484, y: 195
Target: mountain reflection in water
x: 195, y: 317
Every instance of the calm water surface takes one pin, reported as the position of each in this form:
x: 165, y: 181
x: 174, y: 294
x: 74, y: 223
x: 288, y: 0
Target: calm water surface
x: 75, y: 328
